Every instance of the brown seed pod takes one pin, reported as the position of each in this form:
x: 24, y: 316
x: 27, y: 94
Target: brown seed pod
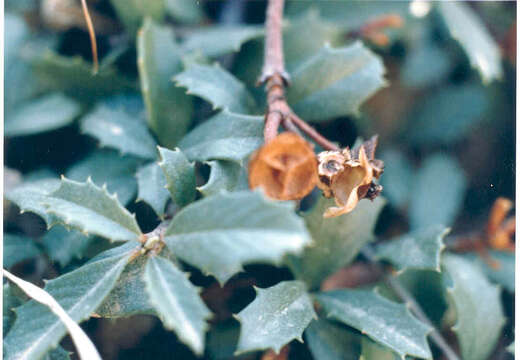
x: 348, y: 183
x: 347, y: 176
x: 285, y: 168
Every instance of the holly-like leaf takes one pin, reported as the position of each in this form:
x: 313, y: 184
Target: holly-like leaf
x: 177, y: 302
x: 169, y: 110
x: 220, y: 233
x: 79, y: 292
x: 108, y: 167
x: 467, y: 28
x: 74, y: 75
x: 225, y: 136
x: 386, y: 322
x: 128, y: 297
x: 117, y: 129
x: 420, y: 249
x: 152, y: 187
x: 425, y: 286
x: 337, y: 241
x: 48, y: 113
x: 439, y: 191
x: 504, y: 271
x: 333, y: 341
x: 224, y: 176
x: 278, y: 315
x: 18, y: 248
x: 370, y: 350
x: 217, y: 41
x: 184, y: 11
x: 478, y: 306
x: 92, y: 209
x: 10, y: 300
x: 447, y: 115
x: 335, y: 82
x: 217, y: 86
x: 179, y: 174
x: 318, y: 33
x: 30, y: 195
x: 132, y: 12
x: 63, y: 245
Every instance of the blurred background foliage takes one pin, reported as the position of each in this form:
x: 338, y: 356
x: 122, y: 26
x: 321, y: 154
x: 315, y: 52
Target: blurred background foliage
x: 446, y: 122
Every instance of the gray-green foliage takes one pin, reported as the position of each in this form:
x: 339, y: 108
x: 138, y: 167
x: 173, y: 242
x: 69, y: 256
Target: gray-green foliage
x: 418, y: 250
x: 337, y: 241
x: 79, y: 292
x: 478, y: 306
x: 384, y: 321
x: 48, y: 113
x: 278, y: 315
x: 18, y: 248
x: 91, y: 209
x: 175, y: 109
x: 335, y: 82
x: 217, y: 86
x: 177, y: 302
x: 169, y: 110
x: 255, y: 229
x: 117, y: 129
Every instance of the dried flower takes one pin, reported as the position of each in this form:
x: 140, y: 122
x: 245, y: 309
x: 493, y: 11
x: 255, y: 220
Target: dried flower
x: 347, y: 176
x: 285, y: 168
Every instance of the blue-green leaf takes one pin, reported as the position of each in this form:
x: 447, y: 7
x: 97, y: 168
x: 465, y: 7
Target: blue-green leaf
x: 225, y: 136
x: 179, y: 174
x: 117, y: 129
x: 108, y: 167
x: 18, y: 248
x: 64, y: 245
x: 220, y: 233
x: 79, y: 292
x: 466, y: 27
x: 439, y: 191
x: 48, y: 113
x: 169, y: 110
x: 478, y: 307
x: 335, y: 82
x: 88, y: 208
x: 386, y: 322
x: 216, y: 41
x: 332, y: 341
x: 177, y: 302
x: 420, y: 249
x: 337, y: 241
x: 224, y: 176
x: 217, y: 86
x: 152, y: 187
x: 278, y: 315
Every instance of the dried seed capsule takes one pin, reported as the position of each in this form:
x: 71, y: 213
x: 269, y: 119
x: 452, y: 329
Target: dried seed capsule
x: 285, y: 168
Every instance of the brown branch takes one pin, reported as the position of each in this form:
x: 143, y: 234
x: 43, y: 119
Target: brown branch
x: 276, y: 79
x: 310, y: 131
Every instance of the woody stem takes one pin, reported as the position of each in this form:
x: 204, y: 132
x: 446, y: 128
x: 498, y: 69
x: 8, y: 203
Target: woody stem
x: 276, y: 79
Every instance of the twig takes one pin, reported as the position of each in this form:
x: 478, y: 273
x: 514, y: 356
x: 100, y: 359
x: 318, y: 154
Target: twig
x: 310, y: 131
x: 92, y: 36
x: 412, y: 304
x: 276, y: 79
